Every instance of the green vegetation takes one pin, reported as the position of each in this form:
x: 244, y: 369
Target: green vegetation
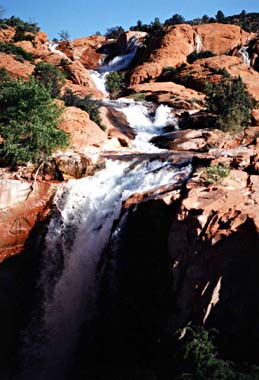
x: 114, y: 32
x: 151, y: 28
x: 138, y: 96
x: 20, y: 25
x: 21, y: 35
x: 115, y: 83
x: 247, y: 21
x: 86, y: 104
x: 28, y: 123
x: 175, y: 20
x: 214, y: 174
x: 171, y: 69
x: 230, y: 102
x: 4, y: 76
x: 10, y: 48
x: 203, y: 54
x: 206, y: 364
x: 50, y: 76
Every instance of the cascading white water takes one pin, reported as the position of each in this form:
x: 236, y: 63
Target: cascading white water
x: 53, y: 48
x: 79, y: 231
x: 138, y: 116
x: 244, y: 54
x: 118, y: 63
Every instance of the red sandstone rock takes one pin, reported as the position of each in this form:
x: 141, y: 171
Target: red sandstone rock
x: 84, y: 50
x: 175, y: 43
x: 15, y: 68
x: 208, y: 69
x: 172, y: 94
x: 6, y: 35
x: 83, y: 131
x: 20, y: 204
x: 221, y: 38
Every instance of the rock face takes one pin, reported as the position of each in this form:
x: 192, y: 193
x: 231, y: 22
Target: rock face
x: 84, y: 50
x: 221, y: 38
x: 209, y: 69
x: 15, y: 68
x: 83, y: 131
x: 194, y: 261
x: 21, y: 202
x: 170, y: 93
x: 6, y: 35
x: 175, y: 43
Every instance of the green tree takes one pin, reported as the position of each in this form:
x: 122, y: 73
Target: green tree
x: 175, y: 19
x: 51, y: 76
x: 28, y: 123
x: 220, y: 17
x: 230, y: 102
x: 114, y: 32
x: 115, y: 83
x: 205, y: 19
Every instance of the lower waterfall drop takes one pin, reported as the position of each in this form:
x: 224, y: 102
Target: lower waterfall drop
x: 79, y: 230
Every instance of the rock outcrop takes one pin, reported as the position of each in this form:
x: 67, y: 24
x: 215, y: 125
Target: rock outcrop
x: 6, y: 35
x: 21, y: 204
x: 172, y: 94
x: 173, y: 45
x: 210, y: 69
x: 83, y: 131
x: 15, y: 68
x: 84, y: 50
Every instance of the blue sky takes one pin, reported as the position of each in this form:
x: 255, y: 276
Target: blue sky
x: 84, y: 17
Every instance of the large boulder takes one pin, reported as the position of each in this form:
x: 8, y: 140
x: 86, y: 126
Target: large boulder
x: 170, y: 93
x: 221, y: 38
x: 83, y: 131
x: 84, y: 50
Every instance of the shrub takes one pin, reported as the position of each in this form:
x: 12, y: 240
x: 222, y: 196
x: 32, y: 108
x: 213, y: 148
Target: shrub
x: 203, y: 54
x: 10, y: 48
x: 28, y: 121
x: 86, y: 104
x: 20, y: 35
x: 202, y: 352
x: 230, y: 102
x: 171, y: 69
x: 114, y: 32
x: 50, y: 76
x: 138, y: 96
x: 216, y: 173
x: 115, y: 83
x: 205, y: 361
x: 4, y: 75
x: 24, y: 26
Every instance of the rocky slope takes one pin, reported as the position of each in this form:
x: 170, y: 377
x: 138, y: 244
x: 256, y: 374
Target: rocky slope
x: 171, y: 47
x: 187, y: 255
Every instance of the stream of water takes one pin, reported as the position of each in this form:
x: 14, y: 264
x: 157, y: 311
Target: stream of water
x: 80, y: 229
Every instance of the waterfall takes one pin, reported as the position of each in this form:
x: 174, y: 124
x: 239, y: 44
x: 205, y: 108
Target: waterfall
x: 198, y: 43
x: 80, y: 228
x: 53, y: 48
x: 244, y: 54
x: 117, y: 63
